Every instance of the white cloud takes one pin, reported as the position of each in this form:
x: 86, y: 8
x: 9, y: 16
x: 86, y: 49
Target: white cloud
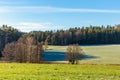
x: 40, y: 9
x: 30, y: 26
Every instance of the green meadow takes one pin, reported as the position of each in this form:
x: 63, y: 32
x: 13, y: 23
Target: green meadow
x: 96, y: 54
x: 17, y: 71
x: 106, y: 60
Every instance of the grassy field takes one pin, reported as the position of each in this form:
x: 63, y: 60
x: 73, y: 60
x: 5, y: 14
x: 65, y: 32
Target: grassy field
x: 102, y: 54
x: 17, y: 71
x: 97, y: 54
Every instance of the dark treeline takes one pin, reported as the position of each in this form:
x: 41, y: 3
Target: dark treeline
x: 78, y: 35
x: 85, y: 35
x: 7, y: 35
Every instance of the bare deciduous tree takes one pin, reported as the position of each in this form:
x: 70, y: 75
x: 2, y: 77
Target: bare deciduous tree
x: 8, y: 52
x: 25, y: 50
x: 46, y: 43
x: 74, y: 54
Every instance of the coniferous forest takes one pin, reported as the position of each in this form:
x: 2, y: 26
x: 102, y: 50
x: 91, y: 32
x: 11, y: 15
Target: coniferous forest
x: 78, y: 35
x: 81, y: 35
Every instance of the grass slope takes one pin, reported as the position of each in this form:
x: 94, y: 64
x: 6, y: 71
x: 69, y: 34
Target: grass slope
x: 15, y: 71
x: 97, y: 54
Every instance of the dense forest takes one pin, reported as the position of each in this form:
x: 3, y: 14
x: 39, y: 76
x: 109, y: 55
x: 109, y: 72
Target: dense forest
x: 78, y: 35
x: 8, y: 35
x: 81, y: 35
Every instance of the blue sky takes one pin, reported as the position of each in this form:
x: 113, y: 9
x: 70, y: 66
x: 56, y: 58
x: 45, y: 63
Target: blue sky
x: 29, y: 15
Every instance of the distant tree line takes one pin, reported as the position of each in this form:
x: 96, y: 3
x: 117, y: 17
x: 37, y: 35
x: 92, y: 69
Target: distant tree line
x: 78, y: 35
x: 81, y: 35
